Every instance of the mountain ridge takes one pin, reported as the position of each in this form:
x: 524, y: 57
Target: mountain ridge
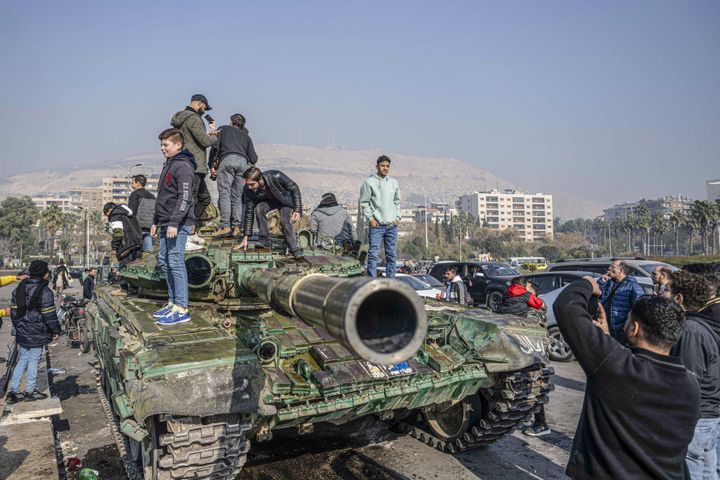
x: 317, y: 170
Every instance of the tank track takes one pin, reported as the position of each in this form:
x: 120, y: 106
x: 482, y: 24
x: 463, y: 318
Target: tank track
x: 190, y: 449
x: 509, y: 403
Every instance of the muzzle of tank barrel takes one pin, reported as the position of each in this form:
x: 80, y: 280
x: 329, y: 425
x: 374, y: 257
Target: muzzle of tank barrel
x: 380, y: 320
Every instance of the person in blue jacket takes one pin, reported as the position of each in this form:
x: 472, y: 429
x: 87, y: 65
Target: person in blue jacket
x: 619, y: 293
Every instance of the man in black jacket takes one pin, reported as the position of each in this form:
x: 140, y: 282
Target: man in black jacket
x: 36, y: 324
x: 142, y: 204
x: 89, y: 284
x: 126, y: 234
x: 229, y: 158
x: 641, y: 404
x: 263, y: 192
x: 699, y: 349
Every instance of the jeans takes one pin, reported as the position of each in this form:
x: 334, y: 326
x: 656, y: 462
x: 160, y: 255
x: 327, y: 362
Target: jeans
x: 261, y: 211
x: 388, y: 235
x: 702, y: 454
x: 147, y: 242
x: 230, y: 186
x: 201, y: 194
x: 28, y: 360
x: 171, y: 259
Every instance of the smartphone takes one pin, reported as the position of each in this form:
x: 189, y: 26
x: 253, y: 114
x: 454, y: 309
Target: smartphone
x: 209, y: 119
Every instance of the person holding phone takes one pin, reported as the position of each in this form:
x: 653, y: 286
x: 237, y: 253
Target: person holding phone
x: 197, y: 140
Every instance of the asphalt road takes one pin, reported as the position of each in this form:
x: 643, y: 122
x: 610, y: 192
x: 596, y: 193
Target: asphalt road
x: 365, y: 449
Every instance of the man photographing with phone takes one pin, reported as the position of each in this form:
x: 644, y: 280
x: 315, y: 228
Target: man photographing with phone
x: 189, y: 121
x: 641, y: 404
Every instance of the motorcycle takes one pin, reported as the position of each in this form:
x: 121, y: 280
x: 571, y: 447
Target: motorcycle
x: 72, y: 316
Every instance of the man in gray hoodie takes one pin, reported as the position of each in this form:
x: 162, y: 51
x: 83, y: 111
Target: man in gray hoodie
x: 197, y: 140
x: 330, y: 220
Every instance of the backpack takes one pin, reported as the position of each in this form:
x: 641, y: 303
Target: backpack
x: 145, y: 213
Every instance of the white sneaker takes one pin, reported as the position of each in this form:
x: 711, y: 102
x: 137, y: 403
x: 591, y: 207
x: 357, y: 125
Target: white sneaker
x: 191, y: 247
x: 196, y: 239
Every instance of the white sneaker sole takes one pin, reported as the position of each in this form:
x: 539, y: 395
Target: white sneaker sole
x: 172, y: 323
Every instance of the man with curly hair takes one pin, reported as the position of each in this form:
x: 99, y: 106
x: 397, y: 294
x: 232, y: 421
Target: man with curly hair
x: 699, y: 349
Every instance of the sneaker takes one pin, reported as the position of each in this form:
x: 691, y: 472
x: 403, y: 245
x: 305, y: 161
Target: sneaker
x: 14, y: 397
x: 35, y: 395
x: 174, y: 317
x: 236, y: 231
x: 224, y: 232
x: 537, y: 430
x: 196, y: 239
x: 191, y: 247
x: 164, y: 311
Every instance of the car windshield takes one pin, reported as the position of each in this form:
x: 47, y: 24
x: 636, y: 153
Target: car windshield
x: 650, y: 267
x: 414, y: 283
x: 430, y: 280
x: 495, y: 269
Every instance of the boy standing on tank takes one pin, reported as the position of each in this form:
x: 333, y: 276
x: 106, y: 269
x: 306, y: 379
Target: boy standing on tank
x: 173, y: 222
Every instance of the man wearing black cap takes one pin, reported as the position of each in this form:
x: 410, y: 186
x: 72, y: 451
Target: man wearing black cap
x: 331, y: 221
x: 197, y: 140
x: 33, y: 315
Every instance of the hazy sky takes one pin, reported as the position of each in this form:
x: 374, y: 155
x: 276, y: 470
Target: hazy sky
x: 614, y: 100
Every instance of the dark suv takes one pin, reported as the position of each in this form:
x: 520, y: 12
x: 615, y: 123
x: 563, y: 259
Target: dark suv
x: 476, y: 275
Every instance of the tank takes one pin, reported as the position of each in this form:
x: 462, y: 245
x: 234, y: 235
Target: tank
x: 282, y: 343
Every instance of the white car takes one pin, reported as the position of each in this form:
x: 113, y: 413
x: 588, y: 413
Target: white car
x: 420, y: 287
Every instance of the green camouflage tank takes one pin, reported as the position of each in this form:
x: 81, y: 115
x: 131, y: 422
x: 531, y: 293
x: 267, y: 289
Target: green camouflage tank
x: 281, y: 343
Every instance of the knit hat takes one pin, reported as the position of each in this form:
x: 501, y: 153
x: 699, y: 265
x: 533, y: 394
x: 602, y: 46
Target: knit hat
x: 38, y: 268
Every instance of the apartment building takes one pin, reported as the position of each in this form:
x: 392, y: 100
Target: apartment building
x: 664, y: 206
x: 713, y: 190
x: 530, y: 214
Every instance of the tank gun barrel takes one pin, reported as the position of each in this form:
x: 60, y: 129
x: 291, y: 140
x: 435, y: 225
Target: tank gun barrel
x: 381, y: 320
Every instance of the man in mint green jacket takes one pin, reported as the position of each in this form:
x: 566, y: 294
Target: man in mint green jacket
x: 380, y: 209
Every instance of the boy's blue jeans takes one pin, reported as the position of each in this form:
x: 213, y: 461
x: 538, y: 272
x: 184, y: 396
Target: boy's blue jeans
x: 28, y: 360
x: 171, y: 259
x: 386, y: 234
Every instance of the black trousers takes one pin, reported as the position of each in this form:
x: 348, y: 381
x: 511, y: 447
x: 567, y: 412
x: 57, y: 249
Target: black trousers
x: 201, y: 195
x: 261, y: 211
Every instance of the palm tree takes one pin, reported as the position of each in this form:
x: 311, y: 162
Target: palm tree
x: 700, y: 211
x: 52, y: 219
x: 97, y: 228
x: 659, y: 226
x: 677, y: 220
x: 643, y: 223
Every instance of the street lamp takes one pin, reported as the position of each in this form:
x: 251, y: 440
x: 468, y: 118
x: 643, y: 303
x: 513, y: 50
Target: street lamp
x: 86, y: 250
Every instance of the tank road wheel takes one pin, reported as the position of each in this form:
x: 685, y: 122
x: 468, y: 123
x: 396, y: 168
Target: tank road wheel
x: 451, y: 423
x: 482, y: 418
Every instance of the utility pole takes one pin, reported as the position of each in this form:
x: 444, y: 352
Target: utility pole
x: 87, y: 239
x: 426, y: 225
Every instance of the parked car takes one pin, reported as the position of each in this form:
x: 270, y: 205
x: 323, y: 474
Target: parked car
x: 477, y: 276
x: 639, y: 267
x: 420, y: 287
x: 430, y: 280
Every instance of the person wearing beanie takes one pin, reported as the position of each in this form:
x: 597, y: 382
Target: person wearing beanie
x: 331, y: 220
x: 33, y: 315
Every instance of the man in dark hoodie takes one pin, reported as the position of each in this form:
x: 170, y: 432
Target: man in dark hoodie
x: 263, y: 192
x: 699, y: 349
x: 33, y: 315
x: 233, y: 153
x: 142, y: 204
x: 330, y: 220
x: 127, y: 237
x: 455, y: 289
x: 641, y: 404
x: 197, y: 140
x: 174, y: 219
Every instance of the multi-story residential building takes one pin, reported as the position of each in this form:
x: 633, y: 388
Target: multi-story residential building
x: 117, y: 189
x: 664, y: 206
x: 713, y: 190
x: 530, y: 213
x: 65, y: 201
x: 89, y: 198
